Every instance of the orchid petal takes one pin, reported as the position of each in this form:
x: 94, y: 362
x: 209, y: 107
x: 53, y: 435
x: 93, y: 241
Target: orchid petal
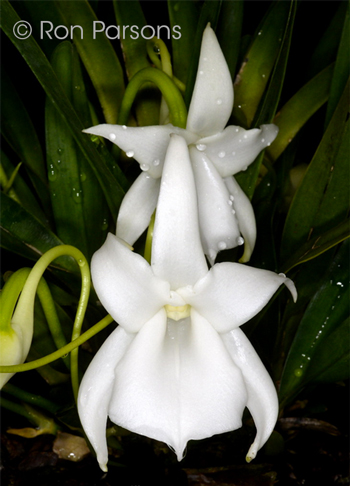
x: 147, y: 145
x: 126, y: 285
x: 218, y: 223
x: 231, y: 294
x: 177, y: 254
x: 177, y: 382
x: 235, y: 148
x: 137, y: 208
x: 96, y: 389
x: 262, y: 396
x: 245, y: 216
x: 212, y: 98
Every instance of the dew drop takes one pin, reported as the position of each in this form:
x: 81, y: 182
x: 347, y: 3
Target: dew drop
x: 201, y: 147
x: 240, y: 240
x: 83, y: 177
x: 245, y: 136
x: 245, y: 168
x: 231, y: 197
x: 237, y: 130
x: 282, y: 274
x: 104, y: 225
x: 59, y: 161
x: 205, y: 58
x: 222, y: 245
x: 298, y: 373
x: 129, y: 153
x: 145, y: 167
x: 52, y: 176
x: 124, y: 127
x: 77, y: 195
x: 156, y: 162
x: 156, y: 49
x: 201, y: 72
x: 222, y: 154
x: 219, y: 101
x: 229, y: 202
x: 233, y: 153
x: 262, y: 140
x: 81, y: 262
x: 59, y: 151
x: 234, y: 212
x: 259, y: 33
x: 94, y: 138
x: 112, y: 136
x: 269, y: 144
x: 78, y: 88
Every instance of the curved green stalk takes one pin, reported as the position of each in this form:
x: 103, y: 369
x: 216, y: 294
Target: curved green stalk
x: 30, y: 398
x: 60, y: 352
x: 172, y: 95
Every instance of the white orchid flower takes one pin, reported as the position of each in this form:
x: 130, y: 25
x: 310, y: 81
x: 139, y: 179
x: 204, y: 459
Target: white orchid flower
x: 178, y: 367
x: 218, y: 153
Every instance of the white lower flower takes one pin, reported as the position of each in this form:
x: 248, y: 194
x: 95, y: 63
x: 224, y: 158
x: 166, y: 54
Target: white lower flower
x: 178, y: 367
x: 220, y: 152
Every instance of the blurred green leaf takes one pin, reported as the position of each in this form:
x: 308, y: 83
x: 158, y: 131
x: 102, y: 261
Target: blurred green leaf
x: 326, y: 50
x: 20, y: 133
x: 324, y: 316
x: 341, y: 69
x: 185, y: 14
x: 322, y: 201
x: 22, y: 194
x: 229, y: 32
x: 97, y: 54
x: 259, y: 61
x: 47, y: 78
x: 23, y: 234
x: 135, y: 59
x: 297, y: 111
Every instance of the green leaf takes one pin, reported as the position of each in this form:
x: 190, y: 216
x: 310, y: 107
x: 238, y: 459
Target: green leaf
x: 324, y: 316
x: 97, y: 54
x: 321, y: 202
x: 20, y: 133
x: 229, y: 32
x: 259, y: 62
x: 23, y: 234
x: 43, y: 71
x: 318, y: 245
x: 77, y: 199
x: 20, y: 192
x: 135, y: 58
x: 184, y: 14
x: 299, y: 109
x: 270, y: 99
x: 341, y: 69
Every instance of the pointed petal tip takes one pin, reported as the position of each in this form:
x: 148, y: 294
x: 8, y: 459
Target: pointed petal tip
x: 103, y: 466
x: 291, y: 287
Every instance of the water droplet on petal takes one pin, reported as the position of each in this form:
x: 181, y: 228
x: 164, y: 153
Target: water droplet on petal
x: 262, y: 140
x: 201, y: 147
x: 245, y: 136
x: 230, y: 202
x: 104, y: 225
x: 233, y: 211
x: 201, y: 72
x: 77, y: 195
x: 83, y: 177
x: 298, y: 373
x: 124, y: 127
x: 129, y: 153
x: 156, y: 162
x: 237, y: 130
x: 222, y: 245
x: 282, y: 274
x: 112, y: 136
x: 231, y: 197
x: 59, y: 151
x: 205, y: 58
x: 240, y: 240
x: 219, y: 101
x: 221, y: 154
x: 233, y: 153
x: 212, y: 254
x: 145, y: 167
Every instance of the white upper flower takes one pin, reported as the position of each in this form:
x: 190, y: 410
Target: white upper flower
x: 178, y: 367
x: 217, y: 153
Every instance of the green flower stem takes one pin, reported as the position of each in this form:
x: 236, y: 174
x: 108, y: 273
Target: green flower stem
x: 60, y: 352
x: 53, y: 322
x: 164, y: 63
x: 31, y: 398
x: 25, y: 304
x: 16, y: 408
x: 9, y: 296
x: 175, y: 102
